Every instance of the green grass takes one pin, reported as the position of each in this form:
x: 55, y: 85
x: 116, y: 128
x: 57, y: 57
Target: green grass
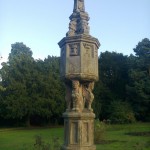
x: 118, y: 139
x: 115, y: 137
x: 20, y: 139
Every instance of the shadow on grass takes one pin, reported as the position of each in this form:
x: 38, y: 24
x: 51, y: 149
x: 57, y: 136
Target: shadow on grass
x: 109, y: 141
x: 146, y: 133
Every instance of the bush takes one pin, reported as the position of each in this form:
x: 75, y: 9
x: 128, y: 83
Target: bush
x: 99, y: 132
x: 41, y: 145
x: 121, y: 112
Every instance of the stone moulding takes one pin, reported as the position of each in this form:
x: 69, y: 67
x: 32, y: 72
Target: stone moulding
x: 81, y: 76
x: 79, y: 38
x: 78, y: 132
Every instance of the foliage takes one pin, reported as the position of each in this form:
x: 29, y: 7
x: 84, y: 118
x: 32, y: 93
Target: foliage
x: 16, y: 74
x: 41, y: 145
x: 33, y: 87
x: 121, y: 112
x: 99, y: 132
x: 113, y: 73
x: 138, y: 89
x: 31, y: 91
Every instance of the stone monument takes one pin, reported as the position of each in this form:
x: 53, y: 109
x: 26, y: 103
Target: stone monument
x: 79, y: 71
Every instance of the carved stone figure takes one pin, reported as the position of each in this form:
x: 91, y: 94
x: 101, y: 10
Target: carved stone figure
x: 88, y: 95
x: 77, y: 98
x: 83, y: 27
x: 91, y: 95
x: 72, y: 28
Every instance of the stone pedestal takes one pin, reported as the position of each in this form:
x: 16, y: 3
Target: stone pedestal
x: 79, y: 131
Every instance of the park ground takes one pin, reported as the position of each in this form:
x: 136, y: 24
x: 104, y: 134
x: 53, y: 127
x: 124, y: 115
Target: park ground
x: 115, y: 137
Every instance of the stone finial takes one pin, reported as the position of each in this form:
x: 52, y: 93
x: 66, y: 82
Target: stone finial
x: 79, y: 6
x: 78, y: 20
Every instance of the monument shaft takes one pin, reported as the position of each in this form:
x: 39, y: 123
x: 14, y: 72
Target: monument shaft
x: 79, y: 71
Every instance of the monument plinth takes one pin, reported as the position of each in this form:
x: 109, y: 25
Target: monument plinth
x: 79, y: 70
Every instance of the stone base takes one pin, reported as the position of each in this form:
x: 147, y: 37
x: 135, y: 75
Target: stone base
x: 78, y: 148
x: 79, y: 131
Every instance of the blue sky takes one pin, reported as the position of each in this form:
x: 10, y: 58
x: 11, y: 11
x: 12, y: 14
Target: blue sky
x: 41, y: 24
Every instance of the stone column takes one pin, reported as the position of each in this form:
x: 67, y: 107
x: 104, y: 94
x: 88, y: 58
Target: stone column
x: 79, y: 71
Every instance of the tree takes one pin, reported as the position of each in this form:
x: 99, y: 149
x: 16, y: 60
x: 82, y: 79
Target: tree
x: 16, y: 75
x: 33, y: 87
x: 51, y: 88
x: 138, y: 89
x: 113, y: 74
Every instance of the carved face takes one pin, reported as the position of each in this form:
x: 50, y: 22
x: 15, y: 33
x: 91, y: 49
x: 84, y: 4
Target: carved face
x: 75, y: 84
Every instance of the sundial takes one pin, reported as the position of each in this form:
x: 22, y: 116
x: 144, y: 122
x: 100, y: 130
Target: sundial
x: 79, y: 71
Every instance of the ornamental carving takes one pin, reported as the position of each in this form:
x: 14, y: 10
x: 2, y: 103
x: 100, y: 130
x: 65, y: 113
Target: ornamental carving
x: 74, y: 49
x: 72, y: 28
x: 79, y: 96
x: 83, y: 27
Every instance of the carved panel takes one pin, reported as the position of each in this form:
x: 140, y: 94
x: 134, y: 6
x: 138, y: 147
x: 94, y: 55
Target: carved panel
x: 74, y: 132
x: 74, y: 49
x: 66, y: 135
x: 85, y: 132
x: 88, y: 62
x: 74, y: 65
x: 92, y: 131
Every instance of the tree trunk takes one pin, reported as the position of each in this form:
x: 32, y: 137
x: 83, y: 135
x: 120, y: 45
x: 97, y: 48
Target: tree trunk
x: 28, y: 121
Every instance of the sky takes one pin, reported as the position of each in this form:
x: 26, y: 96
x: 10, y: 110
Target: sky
x: 41, y: 24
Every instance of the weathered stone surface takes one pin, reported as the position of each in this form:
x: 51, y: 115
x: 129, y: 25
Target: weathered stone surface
x: 79, y: 58
x: 78, y: 20
x: 79, y: 128
x: 79, y: 96
x: 79, y: 70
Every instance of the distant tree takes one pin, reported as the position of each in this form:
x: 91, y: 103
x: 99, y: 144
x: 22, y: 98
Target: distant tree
x: 138, y: 89
x: 33, y: 87
x: 51, y: 88
x: 16, y: 74
x: 113, y: 74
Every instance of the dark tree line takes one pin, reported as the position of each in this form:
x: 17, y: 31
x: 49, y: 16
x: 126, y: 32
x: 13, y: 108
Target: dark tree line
x: 31, y: 91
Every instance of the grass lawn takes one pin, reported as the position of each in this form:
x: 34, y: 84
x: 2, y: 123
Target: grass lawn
x: 126, y: 137
x: 116, y: 137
